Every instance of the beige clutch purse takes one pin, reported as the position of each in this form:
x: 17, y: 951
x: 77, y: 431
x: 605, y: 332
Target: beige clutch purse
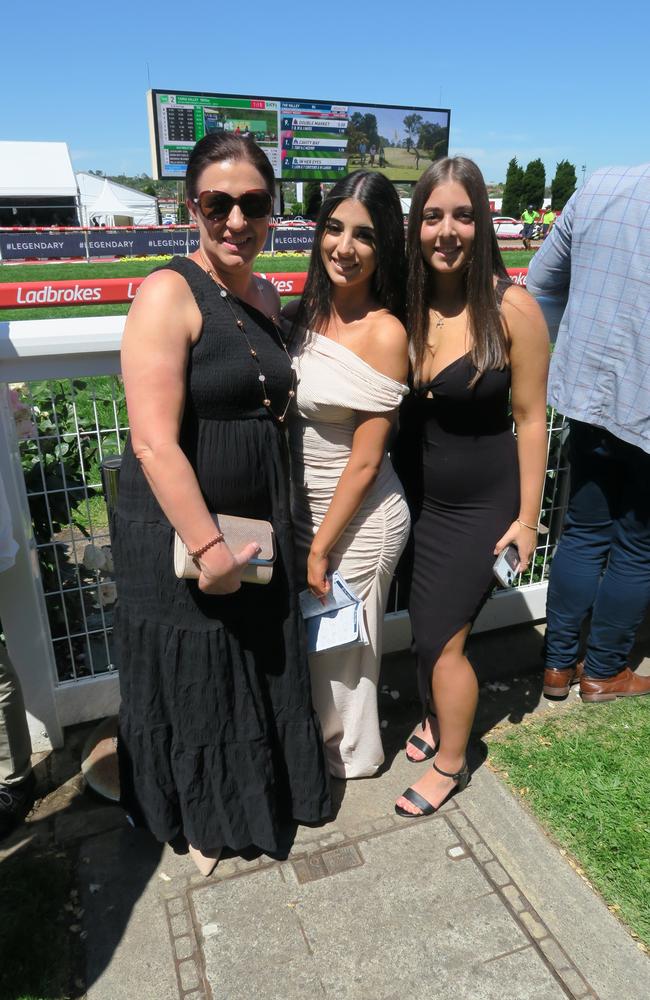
x: 237, y: 532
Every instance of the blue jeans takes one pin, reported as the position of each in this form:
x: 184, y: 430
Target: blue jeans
x: 602, y: 562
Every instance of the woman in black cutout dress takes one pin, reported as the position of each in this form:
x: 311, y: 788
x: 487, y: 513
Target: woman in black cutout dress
x: 218, y: 740
x: 472, y: 487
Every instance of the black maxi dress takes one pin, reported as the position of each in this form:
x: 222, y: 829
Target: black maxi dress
x: 217, y: 735
x: 456, y: 456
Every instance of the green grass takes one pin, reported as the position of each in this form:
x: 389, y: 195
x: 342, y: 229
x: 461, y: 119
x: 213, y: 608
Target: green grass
x: 586, y: 775
x: 517, y: 258
x: 135, y: 268
x: 37, y: 948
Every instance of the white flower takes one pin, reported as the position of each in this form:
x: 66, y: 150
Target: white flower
x: 94, y: 557
x: 107, y: 593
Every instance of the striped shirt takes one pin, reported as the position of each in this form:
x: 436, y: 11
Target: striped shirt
x: 597, y: 258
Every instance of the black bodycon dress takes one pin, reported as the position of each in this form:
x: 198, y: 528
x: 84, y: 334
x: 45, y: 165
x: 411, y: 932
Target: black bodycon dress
x: 456, y: 456
x: 217, y: 735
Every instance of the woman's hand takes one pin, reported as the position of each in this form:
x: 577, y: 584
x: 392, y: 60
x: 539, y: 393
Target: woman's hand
x: 221, y: 569
x: 317, y: 566
x: 524, y: 538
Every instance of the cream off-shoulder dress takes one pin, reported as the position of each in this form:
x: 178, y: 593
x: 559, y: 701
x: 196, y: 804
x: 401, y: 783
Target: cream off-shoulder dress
x: 334, y: 386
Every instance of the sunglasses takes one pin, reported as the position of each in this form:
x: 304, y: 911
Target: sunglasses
x: 217, y: 205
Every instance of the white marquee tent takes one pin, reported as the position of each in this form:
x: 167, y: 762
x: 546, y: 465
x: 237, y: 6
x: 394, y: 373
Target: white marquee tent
x: 36, y: 170
x: 111, y: 204
x: 43, y: 170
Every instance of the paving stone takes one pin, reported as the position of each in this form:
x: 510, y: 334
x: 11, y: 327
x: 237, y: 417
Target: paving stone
x: 522, y: 976
x: 383, y: 823
x: 574, y: 982
x: 183, y: 946
x: 189, y: 974
x: 482, y: 853
x: 77, y: 825
x: 180, y: 924
x: 300, y: 942
x: 128, y: 950
x: 532, y: 924
x: 554, y: 953
x: 497, y: 873
x: 175, y: 905
x: 514, y: 898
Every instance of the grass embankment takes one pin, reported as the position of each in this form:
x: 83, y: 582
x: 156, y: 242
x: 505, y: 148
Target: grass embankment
x: 38, y: 920
x: 586, y: 775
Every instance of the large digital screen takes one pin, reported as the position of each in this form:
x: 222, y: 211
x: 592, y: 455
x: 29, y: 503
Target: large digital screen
x: 304, y: 140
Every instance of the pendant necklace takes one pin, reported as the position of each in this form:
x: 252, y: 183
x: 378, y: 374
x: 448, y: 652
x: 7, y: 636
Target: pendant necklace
x: 440, y: 320
x: 226, y: 296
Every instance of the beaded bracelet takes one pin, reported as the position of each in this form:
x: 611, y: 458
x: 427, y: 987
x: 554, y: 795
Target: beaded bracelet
x: 524, y: 525
x: 204, y: 548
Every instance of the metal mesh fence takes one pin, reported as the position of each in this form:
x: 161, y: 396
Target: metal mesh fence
x: 66, y: 429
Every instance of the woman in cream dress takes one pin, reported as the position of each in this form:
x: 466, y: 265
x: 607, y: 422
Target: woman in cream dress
x: 348, y: 506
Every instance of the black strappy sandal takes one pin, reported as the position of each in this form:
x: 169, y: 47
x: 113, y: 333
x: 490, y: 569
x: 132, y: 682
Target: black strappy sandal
x: 425, y: 748
x: 427, y: 809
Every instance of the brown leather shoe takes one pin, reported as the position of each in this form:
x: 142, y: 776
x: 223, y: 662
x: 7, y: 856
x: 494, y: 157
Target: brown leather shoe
x: 626, y: 684
x: 557, y: 683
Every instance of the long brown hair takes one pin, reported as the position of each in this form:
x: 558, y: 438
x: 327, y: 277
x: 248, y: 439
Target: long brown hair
x: 379, y: 197
x: 485, y: 327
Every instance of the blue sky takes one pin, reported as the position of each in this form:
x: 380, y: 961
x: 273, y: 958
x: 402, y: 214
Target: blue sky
x: 555, y: 80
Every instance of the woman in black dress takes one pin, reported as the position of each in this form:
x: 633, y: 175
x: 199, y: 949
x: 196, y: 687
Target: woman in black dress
x: 218, y: 741
x: 476, y: 342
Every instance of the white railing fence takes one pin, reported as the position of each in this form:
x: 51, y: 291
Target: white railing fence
x: 62, y: 412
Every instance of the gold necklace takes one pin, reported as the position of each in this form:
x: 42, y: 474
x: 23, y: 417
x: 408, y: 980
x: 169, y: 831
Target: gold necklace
x: 226, y: 295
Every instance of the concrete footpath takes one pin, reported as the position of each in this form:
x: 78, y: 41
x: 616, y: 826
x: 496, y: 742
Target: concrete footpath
x: 474, y: 903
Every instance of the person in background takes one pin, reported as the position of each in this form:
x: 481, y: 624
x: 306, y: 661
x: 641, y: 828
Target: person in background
x: 479, y: 346
x: 529, y: 217
x: 349, y: 510
x: 596, y: 259
x: 17, y: 782
x: 548, y: 218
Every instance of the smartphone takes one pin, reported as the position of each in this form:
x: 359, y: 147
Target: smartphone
x: 507, y: 566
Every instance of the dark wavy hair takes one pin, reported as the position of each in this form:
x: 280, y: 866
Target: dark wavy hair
x: 379, y: 198
x: 219, y: 146
x: 486, y: 329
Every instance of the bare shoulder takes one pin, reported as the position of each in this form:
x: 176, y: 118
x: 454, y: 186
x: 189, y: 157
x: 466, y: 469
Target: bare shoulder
x: 517, y: 302
x: 164, y: 303
x: 385, y: 346
x: 160, y: 292
x: 523, y: 318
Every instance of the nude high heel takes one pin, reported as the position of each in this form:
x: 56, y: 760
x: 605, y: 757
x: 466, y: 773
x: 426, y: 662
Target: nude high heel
x: 205, y: 863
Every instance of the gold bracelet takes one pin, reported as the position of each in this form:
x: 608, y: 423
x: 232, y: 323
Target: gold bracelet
x: 204, y: 548
x: 524, y: 525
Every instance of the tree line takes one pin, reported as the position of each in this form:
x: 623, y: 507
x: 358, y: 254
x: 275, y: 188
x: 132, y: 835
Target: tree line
x: 527, y: 187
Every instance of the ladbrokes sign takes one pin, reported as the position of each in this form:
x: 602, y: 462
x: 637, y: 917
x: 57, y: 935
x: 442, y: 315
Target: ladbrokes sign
x: 32, y: 294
